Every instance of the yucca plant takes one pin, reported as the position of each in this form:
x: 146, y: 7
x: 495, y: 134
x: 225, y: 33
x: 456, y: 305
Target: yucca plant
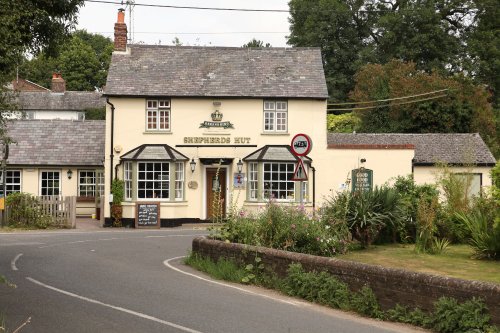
x: 485, y: 233
x: 370, y: 211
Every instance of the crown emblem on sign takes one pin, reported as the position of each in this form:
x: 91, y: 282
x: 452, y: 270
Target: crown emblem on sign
x: 217, y: 116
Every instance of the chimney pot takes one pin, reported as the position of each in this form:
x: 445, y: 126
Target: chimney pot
x: 121, y: 15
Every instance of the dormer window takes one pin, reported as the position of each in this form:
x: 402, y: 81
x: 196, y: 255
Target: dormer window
x: 275, y: 116
x: 158, y: 115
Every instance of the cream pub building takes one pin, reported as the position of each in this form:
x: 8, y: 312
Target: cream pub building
x: 184, y: 124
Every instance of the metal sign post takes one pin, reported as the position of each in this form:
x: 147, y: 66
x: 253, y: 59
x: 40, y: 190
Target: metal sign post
x: 301, y: 146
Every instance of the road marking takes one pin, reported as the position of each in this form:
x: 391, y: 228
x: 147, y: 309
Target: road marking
x: 13, y: 262
x: 118, y: 308
x: 167, y: 263
x: 116, y: 238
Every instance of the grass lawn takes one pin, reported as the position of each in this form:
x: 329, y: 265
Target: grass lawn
x: 455, y: 261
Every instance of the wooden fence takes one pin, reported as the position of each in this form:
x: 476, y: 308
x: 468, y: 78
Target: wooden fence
x: 61, y: 210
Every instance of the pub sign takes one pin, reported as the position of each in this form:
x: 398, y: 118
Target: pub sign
x: 362, y: 179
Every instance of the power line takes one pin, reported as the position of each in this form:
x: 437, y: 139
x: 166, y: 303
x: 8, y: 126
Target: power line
x: 381, y: 106
x: 267, y: 10
x: 391, y: 99
x: 197, y: 8
x: 198, y: 33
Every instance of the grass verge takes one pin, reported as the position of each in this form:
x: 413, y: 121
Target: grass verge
x: 455, y: 261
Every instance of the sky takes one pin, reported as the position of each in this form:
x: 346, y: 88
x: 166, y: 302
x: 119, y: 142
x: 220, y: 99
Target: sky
x: 153, y: 25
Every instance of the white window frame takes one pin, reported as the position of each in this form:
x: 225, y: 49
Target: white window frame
x: 99, y: 174
x: 158, y: 110
x: 154, y: 190
x: 273, y: 185
x: 253, y: 181
x: 10, y: 185
x: 128, y: 178
x: 59, y: 192
x: 92, y: 184
x: 179, y: 181
x: 275, y: 116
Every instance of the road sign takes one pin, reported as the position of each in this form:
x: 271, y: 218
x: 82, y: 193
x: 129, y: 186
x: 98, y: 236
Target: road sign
x: 299, y: 175
x: 301, y: 144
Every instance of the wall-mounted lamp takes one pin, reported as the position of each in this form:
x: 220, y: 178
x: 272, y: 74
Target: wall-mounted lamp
x: 363, y: 160
x: 239, y: 165
x: 70, y: 174
x: 192, y: 164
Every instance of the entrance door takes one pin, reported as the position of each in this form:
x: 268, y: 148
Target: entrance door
x: 216, y: 194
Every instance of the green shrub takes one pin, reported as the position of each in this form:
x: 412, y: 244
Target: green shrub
x: 286, y: 228
x: 322, y: 287
x: 222, y: 269
x: 343, y: 123
x: 452, y: 317
x: 427, y: 240
x: 118, y: 191
x: 410, y: 196
x: 26, y: 212
x: 365, y: 302
x: 484, y: 234
x: 414, y: 317
x: 369, y: 212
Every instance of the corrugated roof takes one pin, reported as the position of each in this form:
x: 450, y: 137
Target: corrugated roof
x: 148, y: 70
x: 431, y: 148
x: 57, y: 142
x: 154, y: 152
x: 69, y: 100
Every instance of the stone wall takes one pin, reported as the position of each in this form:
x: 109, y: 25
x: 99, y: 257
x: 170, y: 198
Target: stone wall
x: 390, y: 285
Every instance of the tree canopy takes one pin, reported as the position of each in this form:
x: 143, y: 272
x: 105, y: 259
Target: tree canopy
x: 256, y: 43
x: 448, y: 36
x: 83, y: 60
x: 29, y: 26
x: 463, y: 107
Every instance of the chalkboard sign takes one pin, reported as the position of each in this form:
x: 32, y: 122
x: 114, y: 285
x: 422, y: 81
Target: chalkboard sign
x: 147, y: 215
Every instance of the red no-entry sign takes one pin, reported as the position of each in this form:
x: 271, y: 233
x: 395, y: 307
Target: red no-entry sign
x: 301, y: 144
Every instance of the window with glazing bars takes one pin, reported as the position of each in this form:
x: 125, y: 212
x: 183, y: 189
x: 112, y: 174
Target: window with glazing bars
x: 278, y: 182
x: 12, y: 181
x: 158, y: 115
x: 275, y: 116
x: 153, y: 180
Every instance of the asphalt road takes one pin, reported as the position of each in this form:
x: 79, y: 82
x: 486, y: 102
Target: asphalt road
x: 130, y: 281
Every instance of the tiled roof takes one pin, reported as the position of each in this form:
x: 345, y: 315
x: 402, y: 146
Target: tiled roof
x: 451, y: 148
x: 148, y: 70
x: 57, y: 142
x: 154, y: 152
x: 270, y: 153
x: 69, y: 101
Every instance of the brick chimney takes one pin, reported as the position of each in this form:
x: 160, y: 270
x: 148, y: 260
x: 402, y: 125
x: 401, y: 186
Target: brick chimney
x: 121, y: 32
x: 58, y: 84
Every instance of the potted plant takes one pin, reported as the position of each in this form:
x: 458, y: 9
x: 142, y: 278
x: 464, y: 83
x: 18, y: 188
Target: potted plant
x: 117, y: 189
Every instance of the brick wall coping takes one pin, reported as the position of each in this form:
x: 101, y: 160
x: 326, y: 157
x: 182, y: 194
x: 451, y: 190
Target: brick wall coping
x: 391, y: 285
x: 370, y: 146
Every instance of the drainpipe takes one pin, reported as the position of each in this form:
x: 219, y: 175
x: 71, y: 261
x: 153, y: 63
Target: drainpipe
x: 111, y: 149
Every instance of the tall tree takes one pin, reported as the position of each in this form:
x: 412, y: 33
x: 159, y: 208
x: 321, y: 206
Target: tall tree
x: 464, y: 108
x: 83, y: 59
x: 431, y: 33
x: 29, y: 26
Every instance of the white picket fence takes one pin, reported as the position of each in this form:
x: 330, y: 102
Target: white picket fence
x: 61, y: 209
